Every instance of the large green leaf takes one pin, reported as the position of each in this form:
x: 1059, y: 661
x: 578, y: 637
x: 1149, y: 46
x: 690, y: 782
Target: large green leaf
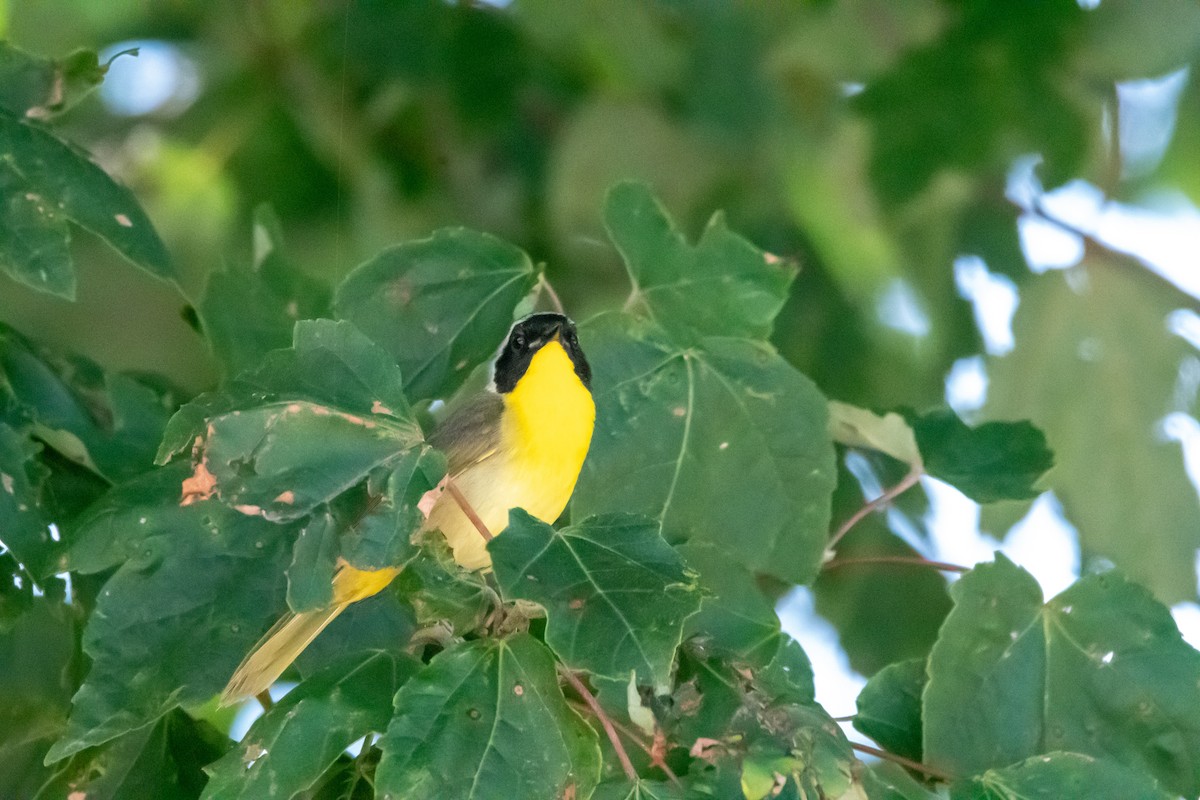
x: 107, y: 422
x: 722, y: 286
x: 163, y: 760
x: 723, y: 442
x: 174, y: 620
x: 289, y: 747
x: 622, y: 789
x: 616, y: 595
x: 990, y: 462
x: 1100, y: 670
x: 735, y: 617
x: 1059, y: 775
x: 889, y: 707
x: 46, y: 181
x: 249, y: 311
x: 330, y: 364
x: 440, y: 306
x: 1095, y: 368
x: 486, y: 719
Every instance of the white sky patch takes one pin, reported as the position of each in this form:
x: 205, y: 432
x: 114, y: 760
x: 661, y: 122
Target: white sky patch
x: 837, y: 684
x: 1046, y: 544
x: 160, y: 79
x: 251, y: 710
x: 1147, y: 112
x: 899, y: 307
x: 1047, y: 246
x: 994, y: 298
x: 967, y: 385
x: 1187, y: 617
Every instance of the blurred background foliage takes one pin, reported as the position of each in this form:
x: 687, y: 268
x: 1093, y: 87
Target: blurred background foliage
x: 893, y: 148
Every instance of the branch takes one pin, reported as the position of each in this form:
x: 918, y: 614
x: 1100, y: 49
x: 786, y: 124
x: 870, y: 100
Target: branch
x: 910, y: 480
x: 932, y: 772
x: 544, y: 286
x: 468, y: 510
x: 264, y: 700
x: 607, y: 723
x: 915, y: 561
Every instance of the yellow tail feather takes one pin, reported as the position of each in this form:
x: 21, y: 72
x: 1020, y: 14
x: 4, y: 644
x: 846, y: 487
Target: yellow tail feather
x: 275, y: 651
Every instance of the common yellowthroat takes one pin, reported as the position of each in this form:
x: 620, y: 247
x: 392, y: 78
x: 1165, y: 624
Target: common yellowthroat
x: 520, y: 444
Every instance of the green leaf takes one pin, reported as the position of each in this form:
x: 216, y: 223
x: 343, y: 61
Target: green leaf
x: 283, y: 460
x: 107, y: 422
x: 439, y: 306
x: 616, y: 595
x: 383, y: 538
x: 314, y: 556
x: 35, y: 248
x: 1102, y: 355
x: 57, y: 181
x: 1100, y: 670
x: 24, y: 528
x: 36, y: 87
x: 724, y: 442
x: 486, y: 718
x: 888, y: 433
x: 1131, y: 39
x: 329, y: 364
x: 723, y: 286
x: 889, y: 708
x: 735, y: 616
x: 439, y: 590
x: 287, y: 749
x: 990, y: 462
x: 888, y: 781
x: 801, y: 744
x: 177, y: 616
x: 622, y: 789
x: 1058, y: 775
x: 249, y: 311
x: 162, y: 760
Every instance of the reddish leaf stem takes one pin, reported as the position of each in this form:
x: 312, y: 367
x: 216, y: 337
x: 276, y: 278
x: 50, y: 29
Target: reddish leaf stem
x: 915, y: 561
x: 545, y: 286
x: 607, y: 723
x: 932, y: 772
x: 910, y: 480
x: 468, y: 510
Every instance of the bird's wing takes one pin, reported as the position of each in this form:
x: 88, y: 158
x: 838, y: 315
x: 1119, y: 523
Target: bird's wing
x: 471, y: 433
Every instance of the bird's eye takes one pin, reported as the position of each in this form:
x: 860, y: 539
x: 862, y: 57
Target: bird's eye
x: 518, y: 341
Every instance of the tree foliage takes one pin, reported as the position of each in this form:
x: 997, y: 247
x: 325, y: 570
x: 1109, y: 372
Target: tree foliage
x: 154, y: 525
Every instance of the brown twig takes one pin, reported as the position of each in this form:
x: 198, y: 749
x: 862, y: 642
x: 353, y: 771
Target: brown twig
x: 910, y: 480
x: 656, y: 759
x: 607, y: 723
x: 468, y: 510
x: 264, y: 700
x: 932, y: 772
x: 915, y: 561
x: 544, y: 285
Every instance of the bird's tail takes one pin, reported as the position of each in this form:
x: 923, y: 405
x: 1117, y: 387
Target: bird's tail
x: 276, y: 651
x: 289, y: 636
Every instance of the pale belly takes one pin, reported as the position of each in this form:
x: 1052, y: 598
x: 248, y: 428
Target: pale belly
x: 540, y: 486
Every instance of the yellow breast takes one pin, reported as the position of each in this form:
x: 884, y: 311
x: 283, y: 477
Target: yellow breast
x: 546, y: 428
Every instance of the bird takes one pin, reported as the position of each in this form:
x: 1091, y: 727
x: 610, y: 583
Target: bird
x: 519, y: 443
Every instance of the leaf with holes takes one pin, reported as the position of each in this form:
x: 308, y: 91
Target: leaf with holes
x: 203, y: 579
x: 722, y: 286
x: 440, y: 306
x: 487, y: 718
x: 45, y: 181
x: 330, y: 364
x: 724, y: 442
x: 616, y: 595
x: 287, y: 749
x: 1099, y: 670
